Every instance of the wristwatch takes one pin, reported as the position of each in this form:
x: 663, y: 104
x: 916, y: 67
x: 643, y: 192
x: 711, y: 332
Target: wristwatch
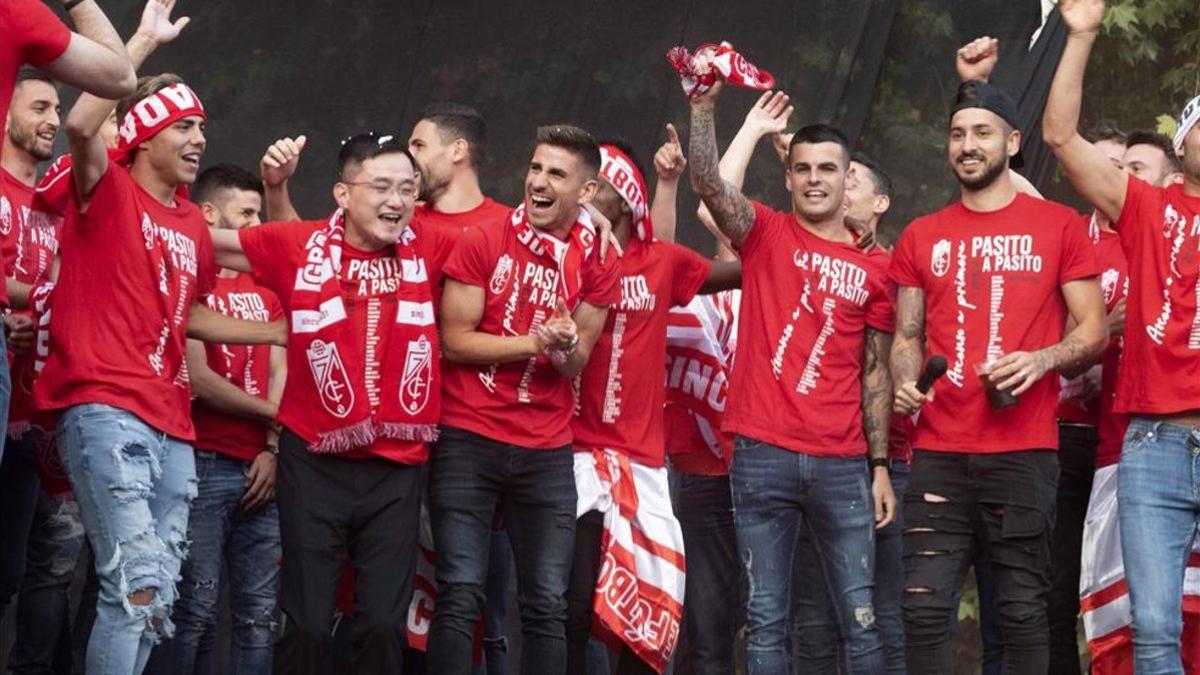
x: 876, y: 462
x: 272, y: 448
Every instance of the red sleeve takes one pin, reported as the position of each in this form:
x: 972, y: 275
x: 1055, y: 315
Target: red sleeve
x: 469, y: 261
x: 206, y: 267
x: 763, y: 230
x: 273, y: 250
x: 1136, y: 212
x: 42, y: 36
x: 437, y: 243
x: 54, y: 190
x: 1078, y: 253
x: 601, y: 280
x: 274, y: 307
x: 904, y: 271
x: 688, y: 272
x: 881, y: 305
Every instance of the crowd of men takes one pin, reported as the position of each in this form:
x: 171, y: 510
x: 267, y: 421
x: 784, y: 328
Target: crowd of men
x: 352, y: 428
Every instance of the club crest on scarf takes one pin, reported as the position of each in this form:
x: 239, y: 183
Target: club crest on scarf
x: 418, y: 375
x: 333, y: 383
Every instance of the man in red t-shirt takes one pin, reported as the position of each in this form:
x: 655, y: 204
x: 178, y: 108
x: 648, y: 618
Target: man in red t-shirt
x: 525, y: 300
x: 810, y: 391
x: 233, y: 525
x: 988, y: 283
x: 619, y: 428
x: 1158, y: 383
x: 32, y: 125
x: 117, y: 378
x: 362, y: 398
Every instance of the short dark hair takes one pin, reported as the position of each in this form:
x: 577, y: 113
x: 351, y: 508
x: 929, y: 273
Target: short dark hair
x: 879, y: 177
x: 821, y: 133
x: 146, y: 85
x: 360, y: 147
x: 574, y: 140
x: 221, y: 177
x: 31, y: 74
x: 455, y: 120
x: 1107, y: 130
x: 624, y: 146
x: 1160, y: 141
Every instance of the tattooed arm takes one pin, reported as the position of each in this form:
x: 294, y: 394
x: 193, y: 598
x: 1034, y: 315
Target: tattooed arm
x: 908, y: 350
x: 1083, y: 343
x: 732, y: 212
x: 877, y: 412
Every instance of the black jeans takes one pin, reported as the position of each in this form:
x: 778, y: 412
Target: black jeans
x: 1077, y: 466
x: 714, y: 606
x: 331, y: 508
x: 470, y: 475
x: 19, y: 490
x: 585, y: 568
x: 955, y: 505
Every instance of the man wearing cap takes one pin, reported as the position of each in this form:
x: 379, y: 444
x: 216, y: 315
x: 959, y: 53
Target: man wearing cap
x: 988, y: 283
x: 116, y: 377
x: 620, y: 471
x: 1158, y: 385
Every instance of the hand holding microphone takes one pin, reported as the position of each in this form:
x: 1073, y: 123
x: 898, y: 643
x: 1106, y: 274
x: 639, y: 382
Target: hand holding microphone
x: 911, y: 396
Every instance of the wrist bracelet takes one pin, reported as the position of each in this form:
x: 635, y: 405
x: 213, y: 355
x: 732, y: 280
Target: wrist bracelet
x: 876, y: 462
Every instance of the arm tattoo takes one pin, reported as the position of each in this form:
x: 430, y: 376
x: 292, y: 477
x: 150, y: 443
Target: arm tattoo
x: 877, y: 392
x: 908, y: 349
x: 1069, y: 354
x: 730, y: 209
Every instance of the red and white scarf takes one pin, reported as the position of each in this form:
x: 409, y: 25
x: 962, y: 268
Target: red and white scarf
x: 334, y: 385
x: 727, y: 64
x: 639, y: 591
x: 622, y: 174
x: 567, y: 257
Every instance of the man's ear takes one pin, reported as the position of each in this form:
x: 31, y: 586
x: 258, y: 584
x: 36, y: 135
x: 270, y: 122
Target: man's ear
x: 1014, y: 143
x: 882, y: 204
x: 210, y: 213
x: 460, y: 150
x: 588, y: 192
x: 341, y: 194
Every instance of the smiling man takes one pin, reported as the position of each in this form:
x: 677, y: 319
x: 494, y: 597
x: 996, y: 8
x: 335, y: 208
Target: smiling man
x: 524, y: 302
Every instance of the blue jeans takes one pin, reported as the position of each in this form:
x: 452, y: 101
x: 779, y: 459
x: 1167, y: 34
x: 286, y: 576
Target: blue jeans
x: 815, y: 632
x: 43, y: 642
x: 776, y: 492
x: 715, y: 595
x: 245, y: 546
x: 134, y: 484
x: 469, y: 477
x: 1158, y: 498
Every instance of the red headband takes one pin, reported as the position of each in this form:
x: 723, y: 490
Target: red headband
x: 622, y: 174
x: 727, y: 64
x: 155, y: 113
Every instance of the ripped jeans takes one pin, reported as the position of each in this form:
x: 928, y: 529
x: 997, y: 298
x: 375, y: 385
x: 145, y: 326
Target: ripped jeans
x: 957, y: 505
x: 776, y: 492
x: 134, y: 485
x: 229, y: 547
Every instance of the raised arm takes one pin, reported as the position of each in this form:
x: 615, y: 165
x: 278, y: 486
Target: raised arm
x: 877, y: 414
x: 908, y: 350
x: 222, y: 395
x: 1086, y: 166
x: 209, y: 326
x: 731, y: 211
x: 463, y: 342
x: 669, y: 164
x: 277, y: 166
x: 89, y: 156
x: 95, y: 60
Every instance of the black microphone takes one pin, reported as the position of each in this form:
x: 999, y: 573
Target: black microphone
x: 935, y: 367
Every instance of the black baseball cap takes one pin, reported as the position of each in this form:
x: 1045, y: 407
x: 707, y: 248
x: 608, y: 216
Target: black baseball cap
x: 976, y: 94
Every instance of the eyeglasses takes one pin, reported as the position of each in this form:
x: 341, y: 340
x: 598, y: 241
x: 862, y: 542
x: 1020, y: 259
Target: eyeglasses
x: 383, y: 189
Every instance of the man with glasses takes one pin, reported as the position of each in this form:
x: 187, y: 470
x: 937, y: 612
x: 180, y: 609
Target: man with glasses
x: 361, y: 403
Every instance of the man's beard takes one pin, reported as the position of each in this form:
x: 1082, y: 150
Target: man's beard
x: 990, y: 174
x: 28, y: 141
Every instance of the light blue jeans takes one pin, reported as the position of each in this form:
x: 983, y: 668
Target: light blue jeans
x: 1158, y: 499
x: 134, y: 485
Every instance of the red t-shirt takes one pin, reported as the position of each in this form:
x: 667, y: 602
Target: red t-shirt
x: 369, y: 280
x: 701, y: 338
x: 116, y: 337
x: 992, y: 286
x: 1160, y: 234
x: 28, y: 244
x: 620, y: 398
x: 453, y: 225
x: 806, y: 306
x: 29, y: 33
x: 525, y: 403
x: 1114, y: 281
x: 246, y: 366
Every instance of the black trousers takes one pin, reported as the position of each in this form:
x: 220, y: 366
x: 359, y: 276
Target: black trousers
x: 331, y: 508
x: 585, y: 568
x: 1077, y: 465
x: 956, y: 506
